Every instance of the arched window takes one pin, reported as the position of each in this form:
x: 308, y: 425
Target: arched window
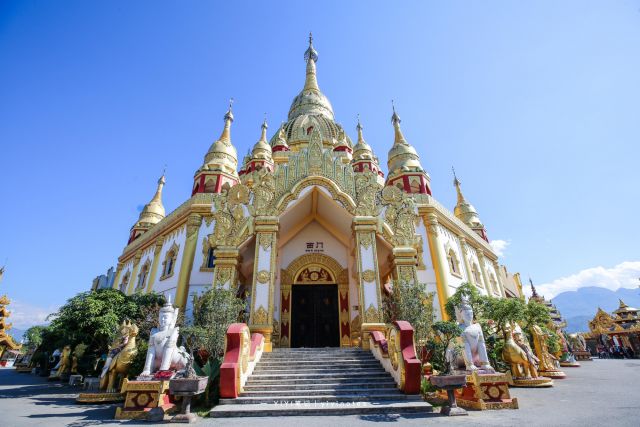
x: 210, y: 185
x: 169, y: 263
x: 476, y: 275
x: 125, y: 282
x: 494, y: 284
x: 142, y: 277
x: 210, y: 258
x: 415, y: 186
x: 454, y: 264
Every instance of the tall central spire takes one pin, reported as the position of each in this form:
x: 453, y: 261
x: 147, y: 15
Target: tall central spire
x: 310, y: 100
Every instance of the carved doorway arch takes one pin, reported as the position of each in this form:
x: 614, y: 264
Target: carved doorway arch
x: 308, y: 269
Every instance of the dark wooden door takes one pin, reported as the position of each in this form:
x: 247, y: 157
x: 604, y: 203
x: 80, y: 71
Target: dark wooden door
x: 314, y: 316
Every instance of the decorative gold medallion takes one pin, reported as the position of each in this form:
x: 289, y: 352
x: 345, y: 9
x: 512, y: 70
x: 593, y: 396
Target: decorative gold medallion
x: 263, y: 276
x: 368, y: 276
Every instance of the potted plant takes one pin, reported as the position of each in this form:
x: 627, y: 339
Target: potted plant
x: 187, y: 386
x: 443, y: 354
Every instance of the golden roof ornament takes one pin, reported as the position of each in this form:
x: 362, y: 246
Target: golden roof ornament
x: 465, y: 210
x: 222, y: 155
x: 362, y: 150
x: 262, y: 149
x: 153, y: 212
x: 402, y: 156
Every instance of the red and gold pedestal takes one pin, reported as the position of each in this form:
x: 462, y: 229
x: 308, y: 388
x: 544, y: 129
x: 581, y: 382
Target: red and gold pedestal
x: 555, y: 374
x: 486, y: 391
x: 143, y: 399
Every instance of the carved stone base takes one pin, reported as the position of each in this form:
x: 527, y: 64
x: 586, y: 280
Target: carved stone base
x: 583, y: 355
x: 144, y: 400
x: 486, y: 391
x: 553, y: 374
x: 100, y: 397
x: 533, y: 382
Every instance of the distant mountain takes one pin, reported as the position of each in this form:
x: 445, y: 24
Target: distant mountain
x: 579, y: 307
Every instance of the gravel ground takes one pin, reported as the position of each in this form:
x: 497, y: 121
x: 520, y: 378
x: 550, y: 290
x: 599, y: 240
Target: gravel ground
x: 602, y: 392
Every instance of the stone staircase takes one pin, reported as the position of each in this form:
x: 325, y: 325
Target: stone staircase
x: 319, y: 381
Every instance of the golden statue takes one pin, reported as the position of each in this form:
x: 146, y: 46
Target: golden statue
x: 121, y: 355
x: 548, y: 364
x: 64, y: 364
x: 519, y: 356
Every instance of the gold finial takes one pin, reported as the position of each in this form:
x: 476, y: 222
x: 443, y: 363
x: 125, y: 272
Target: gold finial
x: 311, y: 53
x: 395, y: 119
x: 456, y: 182
x: 229, y: 114
x: 359, y: 128
x: 264, y: 126
x: 162, y: 179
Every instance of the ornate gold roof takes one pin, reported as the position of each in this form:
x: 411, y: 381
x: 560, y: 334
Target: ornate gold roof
x: 262, y: 149
x: 402, y: 156
x: 624, y: 308
x: 222, y: 155
x: 310, y: 100
x: 153, y: 211
x: 362, y: 150
x: 465, y: 210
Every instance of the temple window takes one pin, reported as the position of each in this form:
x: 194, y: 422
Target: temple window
x: 142, y: 277
x: 415, y: 186
x: 494, y: 284
x: 125, y: 282
x: 210, y: 258
x: 210, y: 185
x: 476, y: 275
x: 454, y: 264
x: 169, y: 263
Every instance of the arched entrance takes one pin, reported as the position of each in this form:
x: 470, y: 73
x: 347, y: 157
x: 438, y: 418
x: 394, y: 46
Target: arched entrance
x: 314, y: 303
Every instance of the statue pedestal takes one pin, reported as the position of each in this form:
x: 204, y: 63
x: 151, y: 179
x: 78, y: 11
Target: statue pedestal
x: 100, y: 397
x: 144, y: 400
x: 556, y: 374
x: 569, y: 364
x: 486, y: 391
x: 531, y: 382
x: 583, y: 355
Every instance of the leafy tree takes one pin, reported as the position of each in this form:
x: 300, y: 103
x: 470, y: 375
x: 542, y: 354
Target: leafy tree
x: 34, y: 336
x: 445, y: 332
x: 477, y: 301
x: 411, y: 302
x: 213, y: 312
x: 535, y: 313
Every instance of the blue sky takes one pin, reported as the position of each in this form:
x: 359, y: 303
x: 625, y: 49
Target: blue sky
x: 535, y: 104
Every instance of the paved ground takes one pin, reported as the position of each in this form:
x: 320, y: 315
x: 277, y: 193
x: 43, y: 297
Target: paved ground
x: 602, y: 392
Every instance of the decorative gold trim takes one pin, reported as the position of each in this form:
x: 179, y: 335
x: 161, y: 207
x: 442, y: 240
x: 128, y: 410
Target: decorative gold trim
x: 263, y: 276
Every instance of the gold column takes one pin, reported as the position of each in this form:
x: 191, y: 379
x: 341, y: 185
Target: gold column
x: 182, y: 291
x: 264, y: 274
x: 133, y: 280
x: 438, y: 259
x: 404, y: 264
x: 225, y: 266
x: 465, y: 256
x: 483, y: 271
x: 496, y: 267
x: 364, y: 228
x: 116, y: 279
x: 156, y: 262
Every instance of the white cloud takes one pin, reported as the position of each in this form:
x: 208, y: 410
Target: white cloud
x: 24, y: 316
x: 623, y: 275
x: 499, y: 246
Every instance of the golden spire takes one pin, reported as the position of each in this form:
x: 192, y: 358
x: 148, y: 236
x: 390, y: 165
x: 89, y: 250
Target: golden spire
x: 464, y: 210
x: 228, y: 119
x: 154, y: 211
x: 262, y: 149
x: 359, y: 128
x: 311, y: 56
x: 395, y: 119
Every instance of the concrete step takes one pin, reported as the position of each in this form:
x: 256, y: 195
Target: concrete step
x: 310, y: 394
x: 242, y: 400
x: 321, y: 408
x: 283, y: 388
x: 324, y: 370
x: 315, y: 364
x: 319, y: 376
x: 290, y: 382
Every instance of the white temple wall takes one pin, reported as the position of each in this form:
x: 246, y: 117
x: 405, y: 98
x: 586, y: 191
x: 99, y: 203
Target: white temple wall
x: 127, y: 268
x: 428, y: 275
x: 473, y: 260
x: 313, y: 233
x: 168, y: 286
x: 201, y: 277
x: 450, y: 241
